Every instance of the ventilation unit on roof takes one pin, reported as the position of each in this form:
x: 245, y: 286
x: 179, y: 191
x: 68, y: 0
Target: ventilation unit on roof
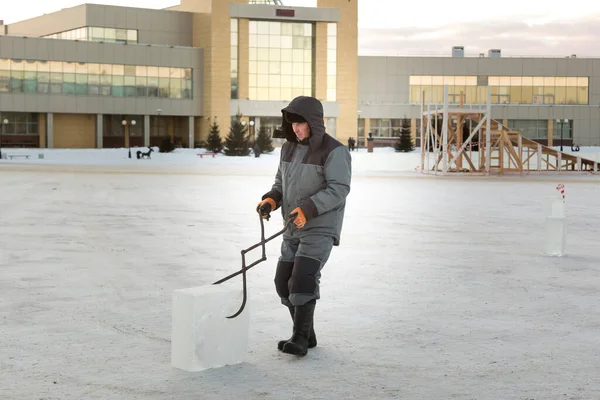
x: 494, y: 53
x: 458, y: 51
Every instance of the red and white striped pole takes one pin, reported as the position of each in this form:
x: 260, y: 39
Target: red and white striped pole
x: 561, y: 189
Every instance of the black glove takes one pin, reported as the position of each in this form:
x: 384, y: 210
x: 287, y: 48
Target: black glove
x: 265, y: 207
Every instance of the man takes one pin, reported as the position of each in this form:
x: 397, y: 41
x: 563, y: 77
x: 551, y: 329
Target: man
x: 311, y: 185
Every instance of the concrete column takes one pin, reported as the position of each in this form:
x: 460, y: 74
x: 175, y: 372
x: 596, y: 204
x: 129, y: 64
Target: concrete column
x: 243, y: 58
x: 321, y: 61
x: 42, y: 130
x: 50, y: 131
x: 127, y: 134
x: 550, y: 132
x: 99, y: 131
x: 146, y: 131
x: 191, y: 132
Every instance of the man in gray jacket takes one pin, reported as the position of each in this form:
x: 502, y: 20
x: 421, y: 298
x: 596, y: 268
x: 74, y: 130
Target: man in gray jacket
x: 311, y: 185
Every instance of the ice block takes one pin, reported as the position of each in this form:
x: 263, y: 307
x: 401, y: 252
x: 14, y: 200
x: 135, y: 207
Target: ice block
x: 201, y: 335
x: 555, y: 235
x: 554, y: 207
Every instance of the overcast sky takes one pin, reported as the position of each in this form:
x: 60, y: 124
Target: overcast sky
x: 395, y: 27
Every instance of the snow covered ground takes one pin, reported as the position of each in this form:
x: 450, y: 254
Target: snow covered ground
x: 439, y: 289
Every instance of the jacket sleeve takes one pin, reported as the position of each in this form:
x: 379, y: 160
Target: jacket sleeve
x: 338, y: 174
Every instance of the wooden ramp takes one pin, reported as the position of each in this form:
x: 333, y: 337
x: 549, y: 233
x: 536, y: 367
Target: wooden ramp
x: 549, y: 159
x: 511, y: 152
x: 467, y: 140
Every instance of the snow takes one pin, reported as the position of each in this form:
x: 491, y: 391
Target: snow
x: 439, y: 289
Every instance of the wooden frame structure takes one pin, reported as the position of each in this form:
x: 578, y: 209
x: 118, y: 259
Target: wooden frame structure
x: 468, y: 140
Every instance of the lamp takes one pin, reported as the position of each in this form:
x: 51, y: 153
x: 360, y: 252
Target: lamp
x: 562, y: 124
x: 124, y: 122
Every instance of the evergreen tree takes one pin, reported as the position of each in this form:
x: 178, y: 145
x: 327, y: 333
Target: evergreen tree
x: 214, y: 142
x: 404, y: 142
x: 264, y: 141
x: 237, y: 142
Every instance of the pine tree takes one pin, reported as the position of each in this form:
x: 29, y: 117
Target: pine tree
x: 264, y: 141
x: 404, y: 142
x: 214, y: 142
x: 237, y: 142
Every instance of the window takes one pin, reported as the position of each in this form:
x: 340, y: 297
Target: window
x: 234, y: 58
x: 361, y: 127
x: 19, y: 123
x: 566, y: 126
x: 98, y: 34
x: 504, y: 89
x: 385, y: 127
x: 90, y: 79
x: 269, y: 124
x: 531, y: 129
x: 280, y: 60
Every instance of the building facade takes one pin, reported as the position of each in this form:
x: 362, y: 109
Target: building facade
x: 104, y: 76
x: 527, y: 94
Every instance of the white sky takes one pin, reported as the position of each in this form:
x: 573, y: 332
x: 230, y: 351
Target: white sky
x: 393, y: 27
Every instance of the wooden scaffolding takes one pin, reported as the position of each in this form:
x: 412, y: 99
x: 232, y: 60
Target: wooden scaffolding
x: 467, y: 140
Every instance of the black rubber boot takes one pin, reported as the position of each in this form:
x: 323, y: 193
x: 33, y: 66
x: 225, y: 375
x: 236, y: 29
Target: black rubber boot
x: 312, y: 340
x: 303, y: 319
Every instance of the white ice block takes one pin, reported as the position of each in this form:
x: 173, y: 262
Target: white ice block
x: 555, y: 236
x: 201, y: 335
x: 554, y: 206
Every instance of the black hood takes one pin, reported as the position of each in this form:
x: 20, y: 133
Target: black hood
x: 311, y: 110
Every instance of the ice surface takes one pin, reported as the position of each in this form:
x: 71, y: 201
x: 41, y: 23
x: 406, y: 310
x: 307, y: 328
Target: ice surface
x: 202, y: 337
x: 439, y: 288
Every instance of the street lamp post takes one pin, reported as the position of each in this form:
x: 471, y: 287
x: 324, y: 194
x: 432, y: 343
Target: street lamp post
x: 124, y: 122
x: 562, y: 124
x: 4, y: 123
x: 252, y: 131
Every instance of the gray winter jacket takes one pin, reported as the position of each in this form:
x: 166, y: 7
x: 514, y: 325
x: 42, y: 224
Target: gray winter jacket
x: 314, y: 175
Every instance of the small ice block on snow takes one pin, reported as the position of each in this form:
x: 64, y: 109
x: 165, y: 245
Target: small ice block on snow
x: 202, y: 337
x: 555, y: 236
x: 554, y: 207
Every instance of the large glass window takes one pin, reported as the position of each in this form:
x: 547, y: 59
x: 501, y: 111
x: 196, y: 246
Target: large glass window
x: 98, y: 34
x: 22, y: 129
x: 234, y: 58
x: 504, y: 89
x: 566, y: 126
x: 4, y: 75
x: 385, y: 127
x: 269, y: 124
x: 531, y: 129
x: 361, y: 127
x: 19, y: 123
x: 90, y: 79
x: 331, y: 61
x: 280, y: 60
